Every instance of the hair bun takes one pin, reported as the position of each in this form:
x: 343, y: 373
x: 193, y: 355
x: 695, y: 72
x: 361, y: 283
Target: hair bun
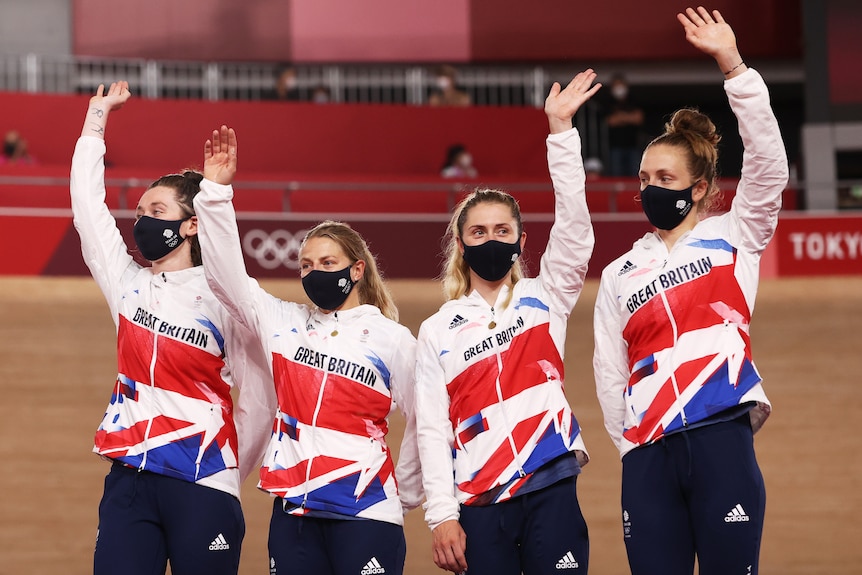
x: 690, y: 122
x: 194, y: 176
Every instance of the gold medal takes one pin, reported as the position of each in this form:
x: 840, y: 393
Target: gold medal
x: 334, y: 333
x: 492, y: 325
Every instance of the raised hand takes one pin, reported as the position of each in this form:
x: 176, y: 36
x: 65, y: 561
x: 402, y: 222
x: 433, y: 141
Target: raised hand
x: 101, y: 104
x: 118, y: 94
x: 220, y: 156
x: 710, y: 34
x: 562, y: 104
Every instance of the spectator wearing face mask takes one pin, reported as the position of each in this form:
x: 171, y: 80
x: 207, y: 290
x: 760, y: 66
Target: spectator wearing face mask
x: 593, y: 168
x: 446, y: 91
x: 15, y: 150
x: 321, y: 95
x: 287, y: 85
x: 624, y: 122
x: 459, y: 163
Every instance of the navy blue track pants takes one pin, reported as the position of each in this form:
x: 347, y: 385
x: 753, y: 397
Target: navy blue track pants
x: 694, y: 493
x: 305, y: 545
x: 538, y: 533
x: 147, y: 519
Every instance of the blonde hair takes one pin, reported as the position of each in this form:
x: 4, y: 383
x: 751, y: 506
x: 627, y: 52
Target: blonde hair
x: 456, y: 272
x: 370, y: 287
x: 695, y: 135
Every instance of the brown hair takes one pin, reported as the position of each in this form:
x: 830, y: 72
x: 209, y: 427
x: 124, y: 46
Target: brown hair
x: 694, y: 134
x: 456, y: 273
x: 185, y: 186
x: 371, y: 288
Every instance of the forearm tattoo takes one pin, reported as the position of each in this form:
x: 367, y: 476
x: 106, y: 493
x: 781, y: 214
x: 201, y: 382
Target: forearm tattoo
x: 97, y: 127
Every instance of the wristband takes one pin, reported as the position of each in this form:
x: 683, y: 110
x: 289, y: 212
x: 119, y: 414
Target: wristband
x: 734, y: 68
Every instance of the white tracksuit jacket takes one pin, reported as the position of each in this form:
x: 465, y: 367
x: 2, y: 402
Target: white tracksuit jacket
x: 179, y: 353
x: 337, y: 377
x: 672, y: 343
x: 490, y: 400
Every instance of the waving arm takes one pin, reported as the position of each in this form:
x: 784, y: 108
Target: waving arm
x: 709, y: 33
x: 101, y: 105
x: 570, y: 245
x: 102, y: 246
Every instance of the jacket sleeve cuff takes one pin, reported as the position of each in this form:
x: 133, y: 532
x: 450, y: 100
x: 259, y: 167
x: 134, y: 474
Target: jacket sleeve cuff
x: 440, y: 512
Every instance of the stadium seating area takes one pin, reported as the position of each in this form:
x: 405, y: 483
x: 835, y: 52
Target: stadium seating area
x: 296, y: 157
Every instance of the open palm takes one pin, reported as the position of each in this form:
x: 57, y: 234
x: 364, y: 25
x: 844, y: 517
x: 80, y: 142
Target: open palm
x: 707, y: 32
x: 562, y: 104
x: 220, y: 156
x: 118, y: 94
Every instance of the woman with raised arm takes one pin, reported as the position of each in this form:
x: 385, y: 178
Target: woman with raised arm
x: 179, y: 453
x: 340, y: 366
x: 491, y: 407
x: 673, y: 366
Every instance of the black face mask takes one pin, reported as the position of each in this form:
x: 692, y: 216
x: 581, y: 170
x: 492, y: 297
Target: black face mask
x: 157, y: 238
x: 328, y: 290
x: 492, y: 260
x: 664, y: 208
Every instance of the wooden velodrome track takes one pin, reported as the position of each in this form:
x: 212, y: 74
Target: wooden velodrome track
x: 57, y: 366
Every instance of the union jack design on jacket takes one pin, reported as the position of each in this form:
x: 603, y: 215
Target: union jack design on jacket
x: 178, y: 354
x: 490, y: 397
x: 672, y: 328
x: 337, y: 377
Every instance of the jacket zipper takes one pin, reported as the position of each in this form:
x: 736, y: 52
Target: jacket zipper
x: 672, y: 320
x: 152, y: 398
x: 314, y: 427
x: 498, y: 388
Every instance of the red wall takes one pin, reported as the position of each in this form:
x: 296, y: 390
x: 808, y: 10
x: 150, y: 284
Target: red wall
x: 380, y: 31
x: 224, y: 30
x: 419, y: 31
x: 623, y: 30
x: 844, y: 21
x: 296, y: 138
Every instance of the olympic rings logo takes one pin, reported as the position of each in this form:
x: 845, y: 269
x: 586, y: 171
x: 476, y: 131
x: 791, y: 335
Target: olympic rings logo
x: 271, y: 250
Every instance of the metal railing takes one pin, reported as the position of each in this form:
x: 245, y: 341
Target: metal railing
x: 393, y: 84
x: 488, y: 85
x: 128, y: 186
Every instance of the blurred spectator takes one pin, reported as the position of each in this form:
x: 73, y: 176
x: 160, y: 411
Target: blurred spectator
x: 459, y: 163
x: 15, y: 150
x: 624, y: 121
x: 446, y: 92
x: 286, y: 86
x: 593, y: 168
x: 321, y: 95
